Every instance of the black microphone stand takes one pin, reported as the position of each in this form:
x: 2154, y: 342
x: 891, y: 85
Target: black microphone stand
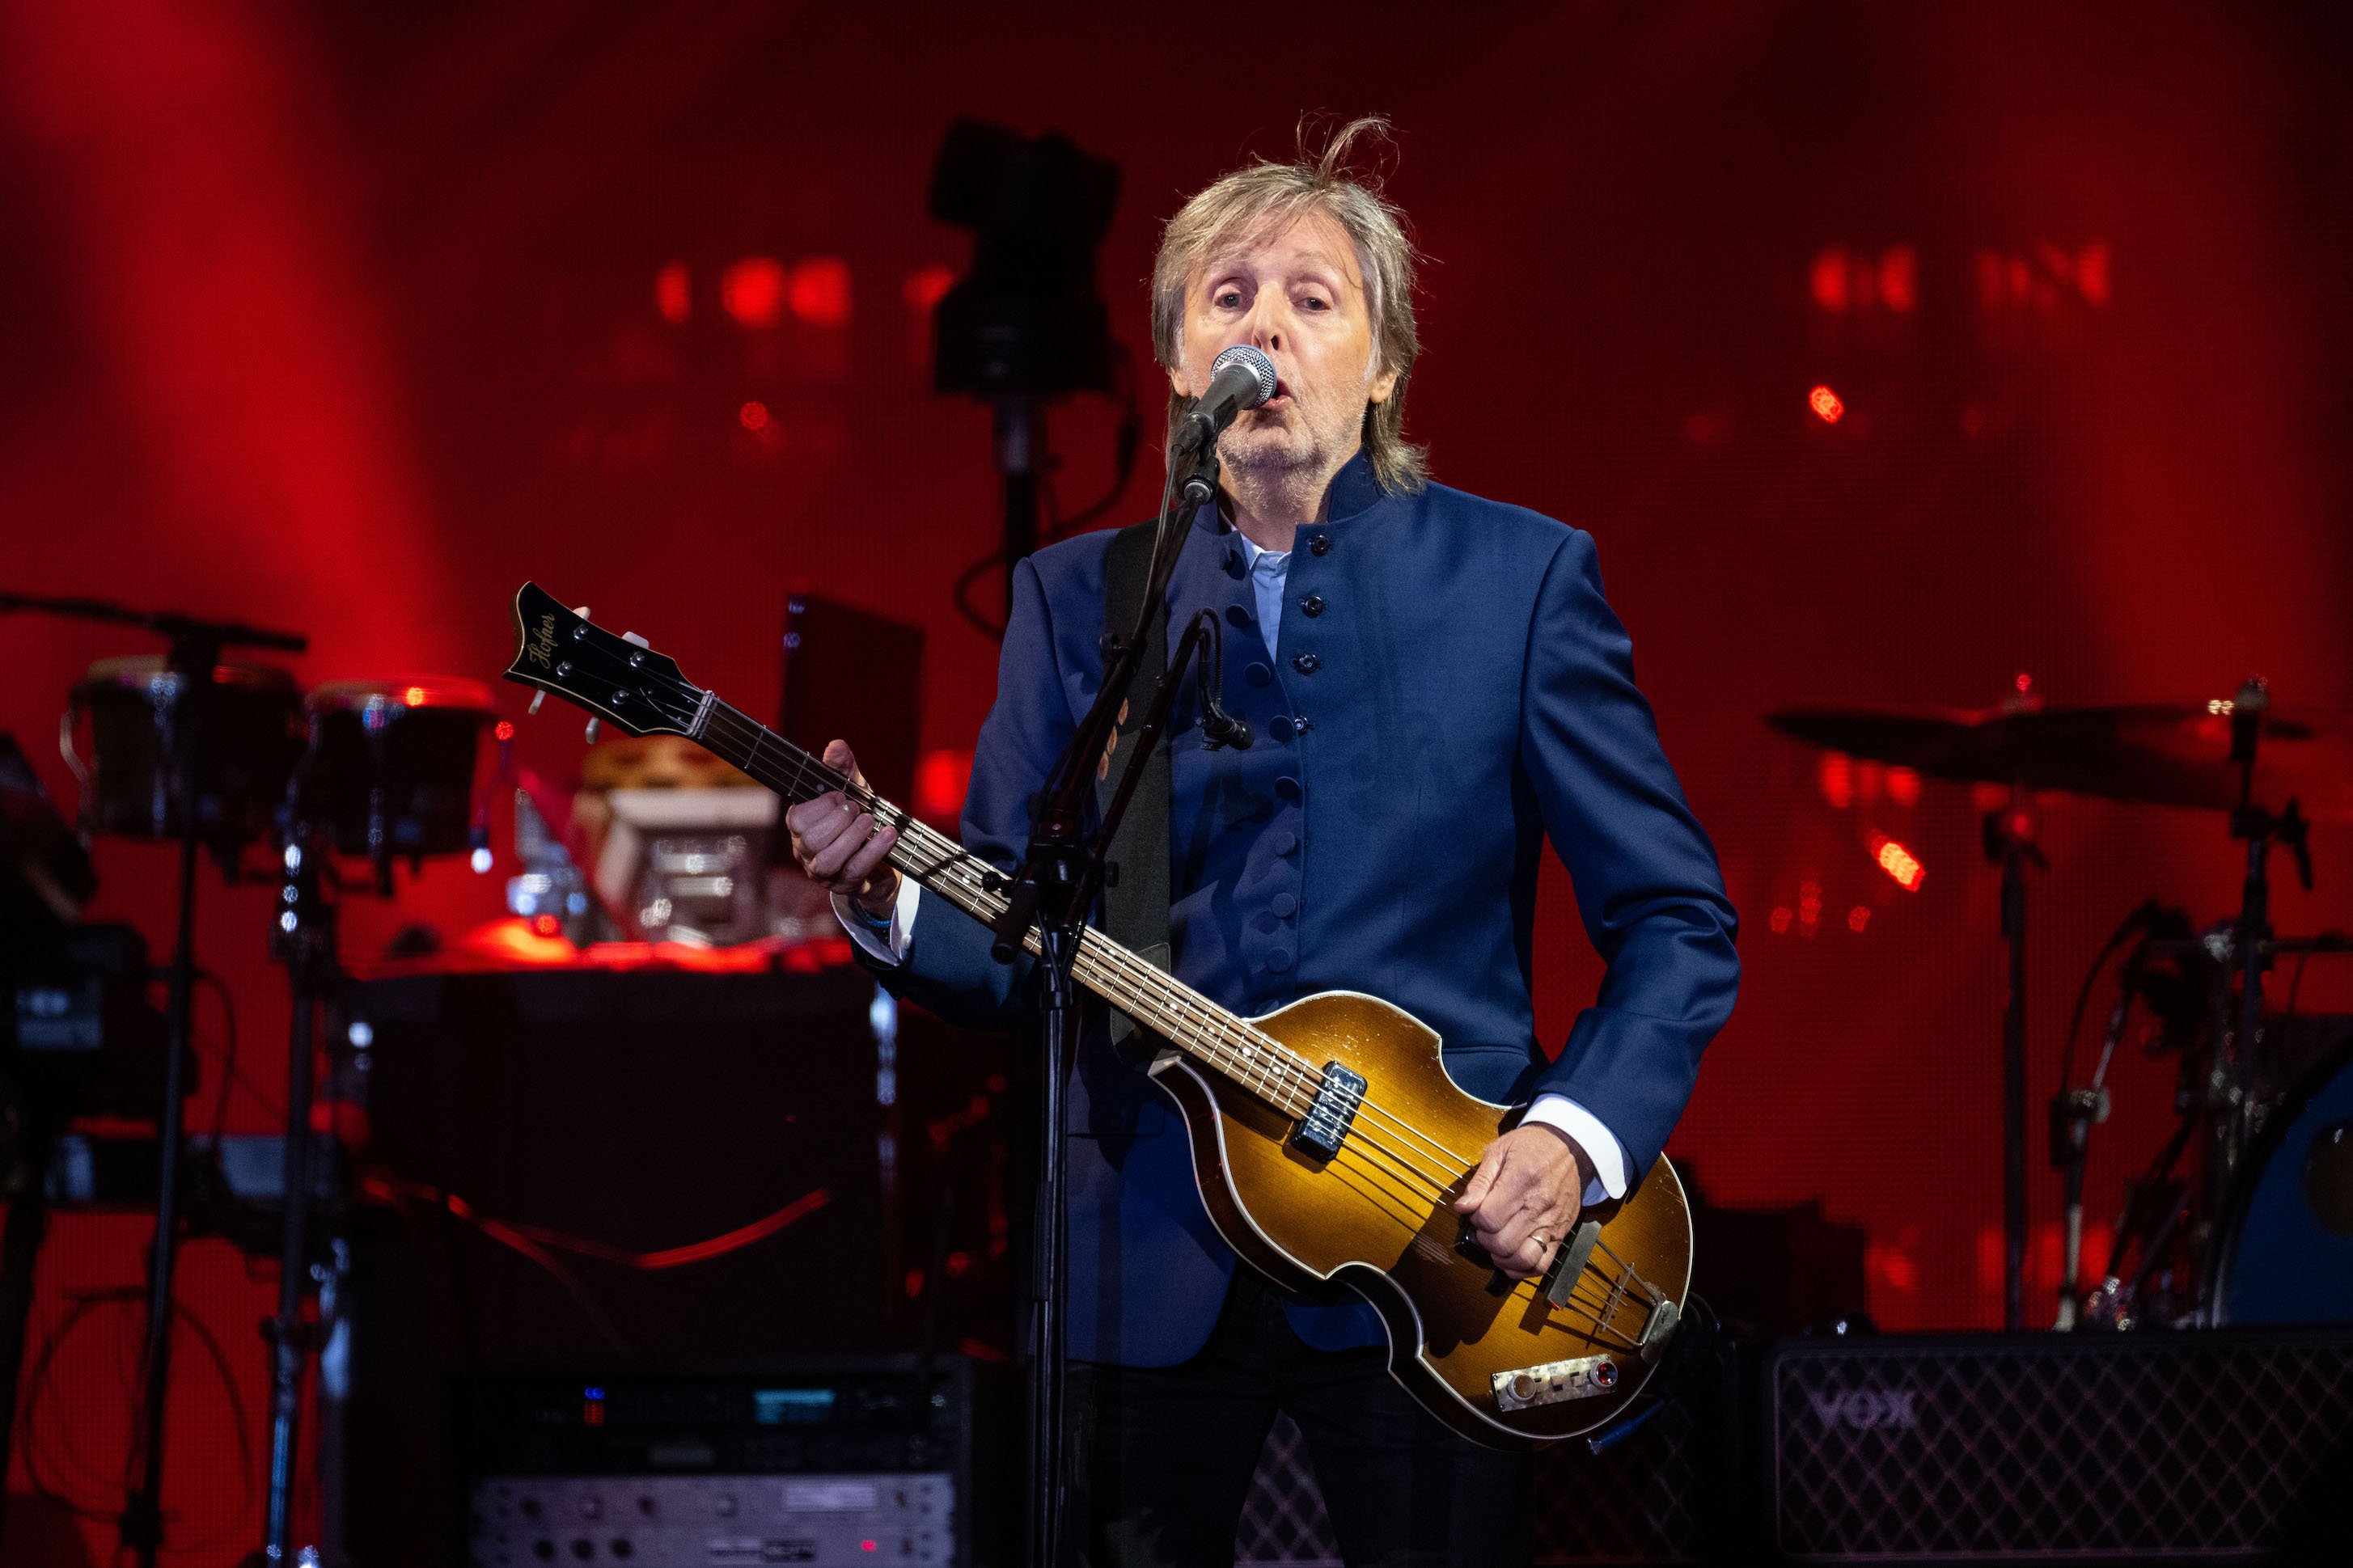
x: 1054, y: 890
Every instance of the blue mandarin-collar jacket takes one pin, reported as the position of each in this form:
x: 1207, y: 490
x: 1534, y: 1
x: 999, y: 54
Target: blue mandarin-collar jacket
x: 1448, y: 690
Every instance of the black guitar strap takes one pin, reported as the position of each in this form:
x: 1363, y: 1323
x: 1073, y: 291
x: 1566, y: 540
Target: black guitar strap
x: 1135, y: 872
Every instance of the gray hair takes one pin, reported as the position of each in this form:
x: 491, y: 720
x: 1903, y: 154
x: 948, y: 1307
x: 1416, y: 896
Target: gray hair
x: 1265, y: 192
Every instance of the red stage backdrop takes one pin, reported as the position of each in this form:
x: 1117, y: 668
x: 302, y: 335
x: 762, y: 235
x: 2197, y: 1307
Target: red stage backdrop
x: 1888, y: 352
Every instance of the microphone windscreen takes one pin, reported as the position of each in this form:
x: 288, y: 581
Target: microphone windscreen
x: 1250, y: 357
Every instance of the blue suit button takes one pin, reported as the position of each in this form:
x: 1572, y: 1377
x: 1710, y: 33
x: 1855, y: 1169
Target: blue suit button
x: 1280, y: 726
x: 1236, y: 617
x: 1287, y: 787
x: 1257, y: 675
x: 1320, y: 544
x: 1312, y: 605
x: 1306, y: 663
x: 1286, y: 844
x: 1279, y: 960
x: 1284, y: 905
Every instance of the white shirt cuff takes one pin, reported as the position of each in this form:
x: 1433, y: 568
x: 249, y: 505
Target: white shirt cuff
x: 902, y: 925
x: 1584, y: 1129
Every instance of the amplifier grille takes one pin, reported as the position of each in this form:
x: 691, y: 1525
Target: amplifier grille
x: 2050, y: 1447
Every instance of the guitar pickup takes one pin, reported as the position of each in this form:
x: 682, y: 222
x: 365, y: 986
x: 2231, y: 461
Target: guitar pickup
x: 1329, y: 1116
x: 1554, y: 1382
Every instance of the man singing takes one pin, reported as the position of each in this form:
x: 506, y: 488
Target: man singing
x: 1438, y: 685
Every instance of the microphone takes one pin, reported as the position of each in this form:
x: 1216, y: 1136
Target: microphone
x: 1241, y: 377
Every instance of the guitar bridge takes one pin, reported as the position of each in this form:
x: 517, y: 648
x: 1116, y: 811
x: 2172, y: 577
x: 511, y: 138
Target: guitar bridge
x: 1329, y: 1116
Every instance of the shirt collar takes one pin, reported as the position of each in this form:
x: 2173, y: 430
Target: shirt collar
x: 1253, y: 550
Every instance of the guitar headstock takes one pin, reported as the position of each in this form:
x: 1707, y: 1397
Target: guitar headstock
x: 625, y: 683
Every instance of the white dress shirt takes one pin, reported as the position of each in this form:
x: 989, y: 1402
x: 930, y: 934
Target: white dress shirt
x: 1268, y: 570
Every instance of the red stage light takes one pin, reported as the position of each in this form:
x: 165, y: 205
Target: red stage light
x: 941, y: 780
x: 545, y: 925
x: 1826, y: 405
x: 820, y: 291
x: 753, y: 416
x: 927, y: 287
x: 2091, y: 272
x: 1899, y: 278
x: 672, y: 296
x: 503, y: 730
x: 1893, y: 1266
x: 1858, y: 916
x: 1830, y: 279
x: 1836, y: 776
x: 1904, y: 786
x: 1780, y: 920
x: 1897, y: 862
x: 414, y: 697
x: 752, y: 290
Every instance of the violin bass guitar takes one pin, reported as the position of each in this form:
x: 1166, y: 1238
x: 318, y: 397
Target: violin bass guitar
x: 1328, y: 1139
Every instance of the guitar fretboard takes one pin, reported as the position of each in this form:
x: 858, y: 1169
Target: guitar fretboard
x: 1160, y: 1001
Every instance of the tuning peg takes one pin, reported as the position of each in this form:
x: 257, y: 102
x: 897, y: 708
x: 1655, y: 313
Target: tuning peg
x: 536, y: 699
x: 633, y: 638
x: 595, y: 725
x: 580, y: 610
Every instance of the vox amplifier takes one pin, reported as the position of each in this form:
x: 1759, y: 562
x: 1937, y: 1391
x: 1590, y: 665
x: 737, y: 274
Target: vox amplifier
x: 2222, y: 1447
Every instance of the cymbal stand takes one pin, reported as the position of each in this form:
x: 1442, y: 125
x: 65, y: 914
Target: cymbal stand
x: 2259, y: 829
x: 2010, y: 841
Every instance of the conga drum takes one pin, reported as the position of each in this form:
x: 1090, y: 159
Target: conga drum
x: 132, y: 710
x: 392, y: 768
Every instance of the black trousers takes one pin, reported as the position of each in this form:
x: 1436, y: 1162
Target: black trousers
x: 1166, y: 1454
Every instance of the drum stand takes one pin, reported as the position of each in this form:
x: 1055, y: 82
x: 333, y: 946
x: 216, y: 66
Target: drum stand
x: 2224, y: 1106
x: 196, y: 650
x: 305, y: 940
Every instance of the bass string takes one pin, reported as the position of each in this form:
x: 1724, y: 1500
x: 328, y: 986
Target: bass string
x: 1259, y: 1062
x: 1432, y: 1188
x: 808, y: 778
x: 1441, y: 1185
x: 1250, y: 1057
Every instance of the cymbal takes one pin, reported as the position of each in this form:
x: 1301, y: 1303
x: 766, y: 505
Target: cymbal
x: 2158, y: 752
